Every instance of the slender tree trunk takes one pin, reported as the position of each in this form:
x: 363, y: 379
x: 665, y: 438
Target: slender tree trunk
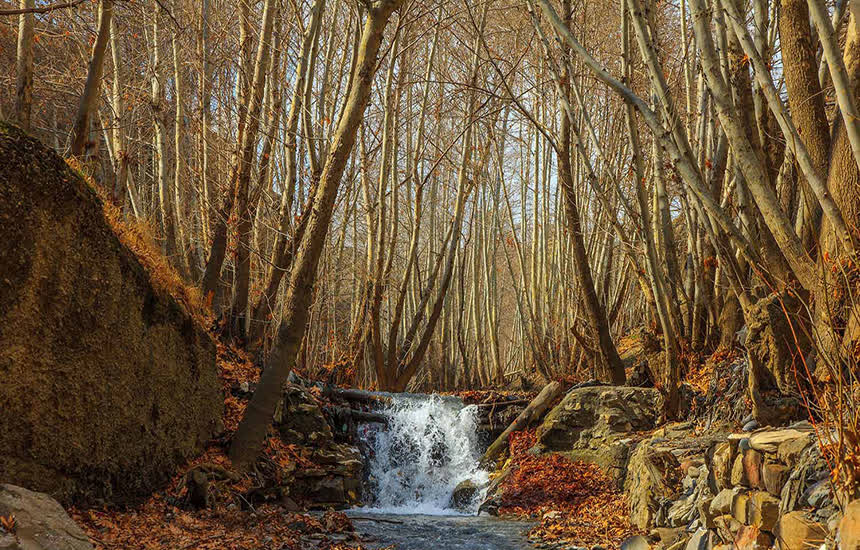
x: 258, y: 416
x: 89, y: 97
x: 24, y: 66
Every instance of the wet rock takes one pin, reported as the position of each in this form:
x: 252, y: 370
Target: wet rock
x: 796, y: 531
x: 40, y: 522
x: 464, y: 495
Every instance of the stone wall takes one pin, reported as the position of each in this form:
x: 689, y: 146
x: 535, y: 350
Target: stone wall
x: 764, y: 489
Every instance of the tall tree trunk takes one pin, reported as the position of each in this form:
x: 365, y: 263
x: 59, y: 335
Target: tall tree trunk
x: 24, y: 66
x: 89, y: 97
x: 258, y: 416
x: 806, y: 101
x: 239, y: 312
x: 611, y: 366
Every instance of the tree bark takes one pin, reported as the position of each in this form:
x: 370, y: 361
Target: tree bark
x: 258, y: 416
x: 90, y: 95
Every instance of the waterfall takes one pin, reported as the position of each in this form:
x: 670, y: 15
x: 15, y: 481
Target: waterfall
x: 429, y: 446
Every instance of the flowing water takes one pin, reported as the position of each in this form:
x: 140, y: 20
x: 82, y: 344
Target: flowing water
x: 414, y: 464
x: 429, y: 446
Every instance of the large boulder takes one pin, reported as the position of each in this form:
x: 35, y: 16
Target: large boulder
x: 108, y: 381
x: 40, y: 522
x: 593, y: 416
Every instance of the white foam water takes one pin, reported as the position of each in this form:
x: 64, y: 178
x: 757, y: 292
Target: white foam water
x: 428, y: 447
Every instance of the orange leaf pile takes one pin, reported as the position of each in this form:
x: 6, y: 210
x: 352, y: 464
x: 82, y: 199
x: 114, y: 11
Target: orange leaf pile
x: 577, y: 501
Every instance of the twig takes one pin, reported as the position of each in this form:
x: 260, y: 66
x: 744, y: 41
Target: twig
x: 44, y: 9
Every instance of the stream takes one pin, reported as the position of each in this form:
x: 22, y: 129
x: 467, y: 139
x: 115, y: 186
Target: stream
x: 414, y: 464
x: 421, y: 532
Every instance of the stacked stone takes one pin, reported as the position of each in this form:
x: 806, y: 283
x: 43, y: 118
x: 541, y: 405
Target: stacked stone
x: 766, y: 489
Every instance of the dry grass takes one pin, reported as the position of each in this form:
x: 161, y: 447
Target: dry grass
x: 138, y: 236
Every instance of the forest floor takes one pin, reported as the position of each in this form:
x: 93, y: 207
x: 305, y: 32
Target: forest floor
x: 167, y: 520
x: 572, y: 501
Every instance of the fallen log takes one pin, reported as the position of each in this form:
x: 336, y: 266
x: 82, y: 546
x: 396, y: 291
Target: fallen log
x: 499, y: 404
x: 357, y: 415
x: 532, y: 412
x: 349, y: 394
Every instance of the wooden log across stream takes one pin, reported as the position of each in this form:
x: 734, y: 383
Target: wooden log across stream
x: 533, y: 411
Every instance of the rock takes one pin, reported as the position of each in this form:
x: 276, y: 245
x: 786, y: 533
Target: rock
x: 289, y: 505
x: 818, y: 494
x: 789, y: 451
x: 774, y: 476
x: 701, y: 540
x: 322, y: 492
x: 805, y: 472
x: 197, y: 484
x: 752, y: 464
x: 682, y: 512
x: 722, y: 460
x: 763, y: 511
x: 590, y: 416
x: 738, y: 476
x: 667, y: 536
x: 108, y: 382
x: 722, y: 503
x: 848, y: 534
x: 750, y: 537
x: 611, y: 457
x: 299, y: 419
x: 652, y: 483
x: 796, y: 531
x: 727, y: 528
x: 769, y: 441
x: 636, y: 542
x: 464, y: 495
x: 41, y: 523
x: 739, y: 507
